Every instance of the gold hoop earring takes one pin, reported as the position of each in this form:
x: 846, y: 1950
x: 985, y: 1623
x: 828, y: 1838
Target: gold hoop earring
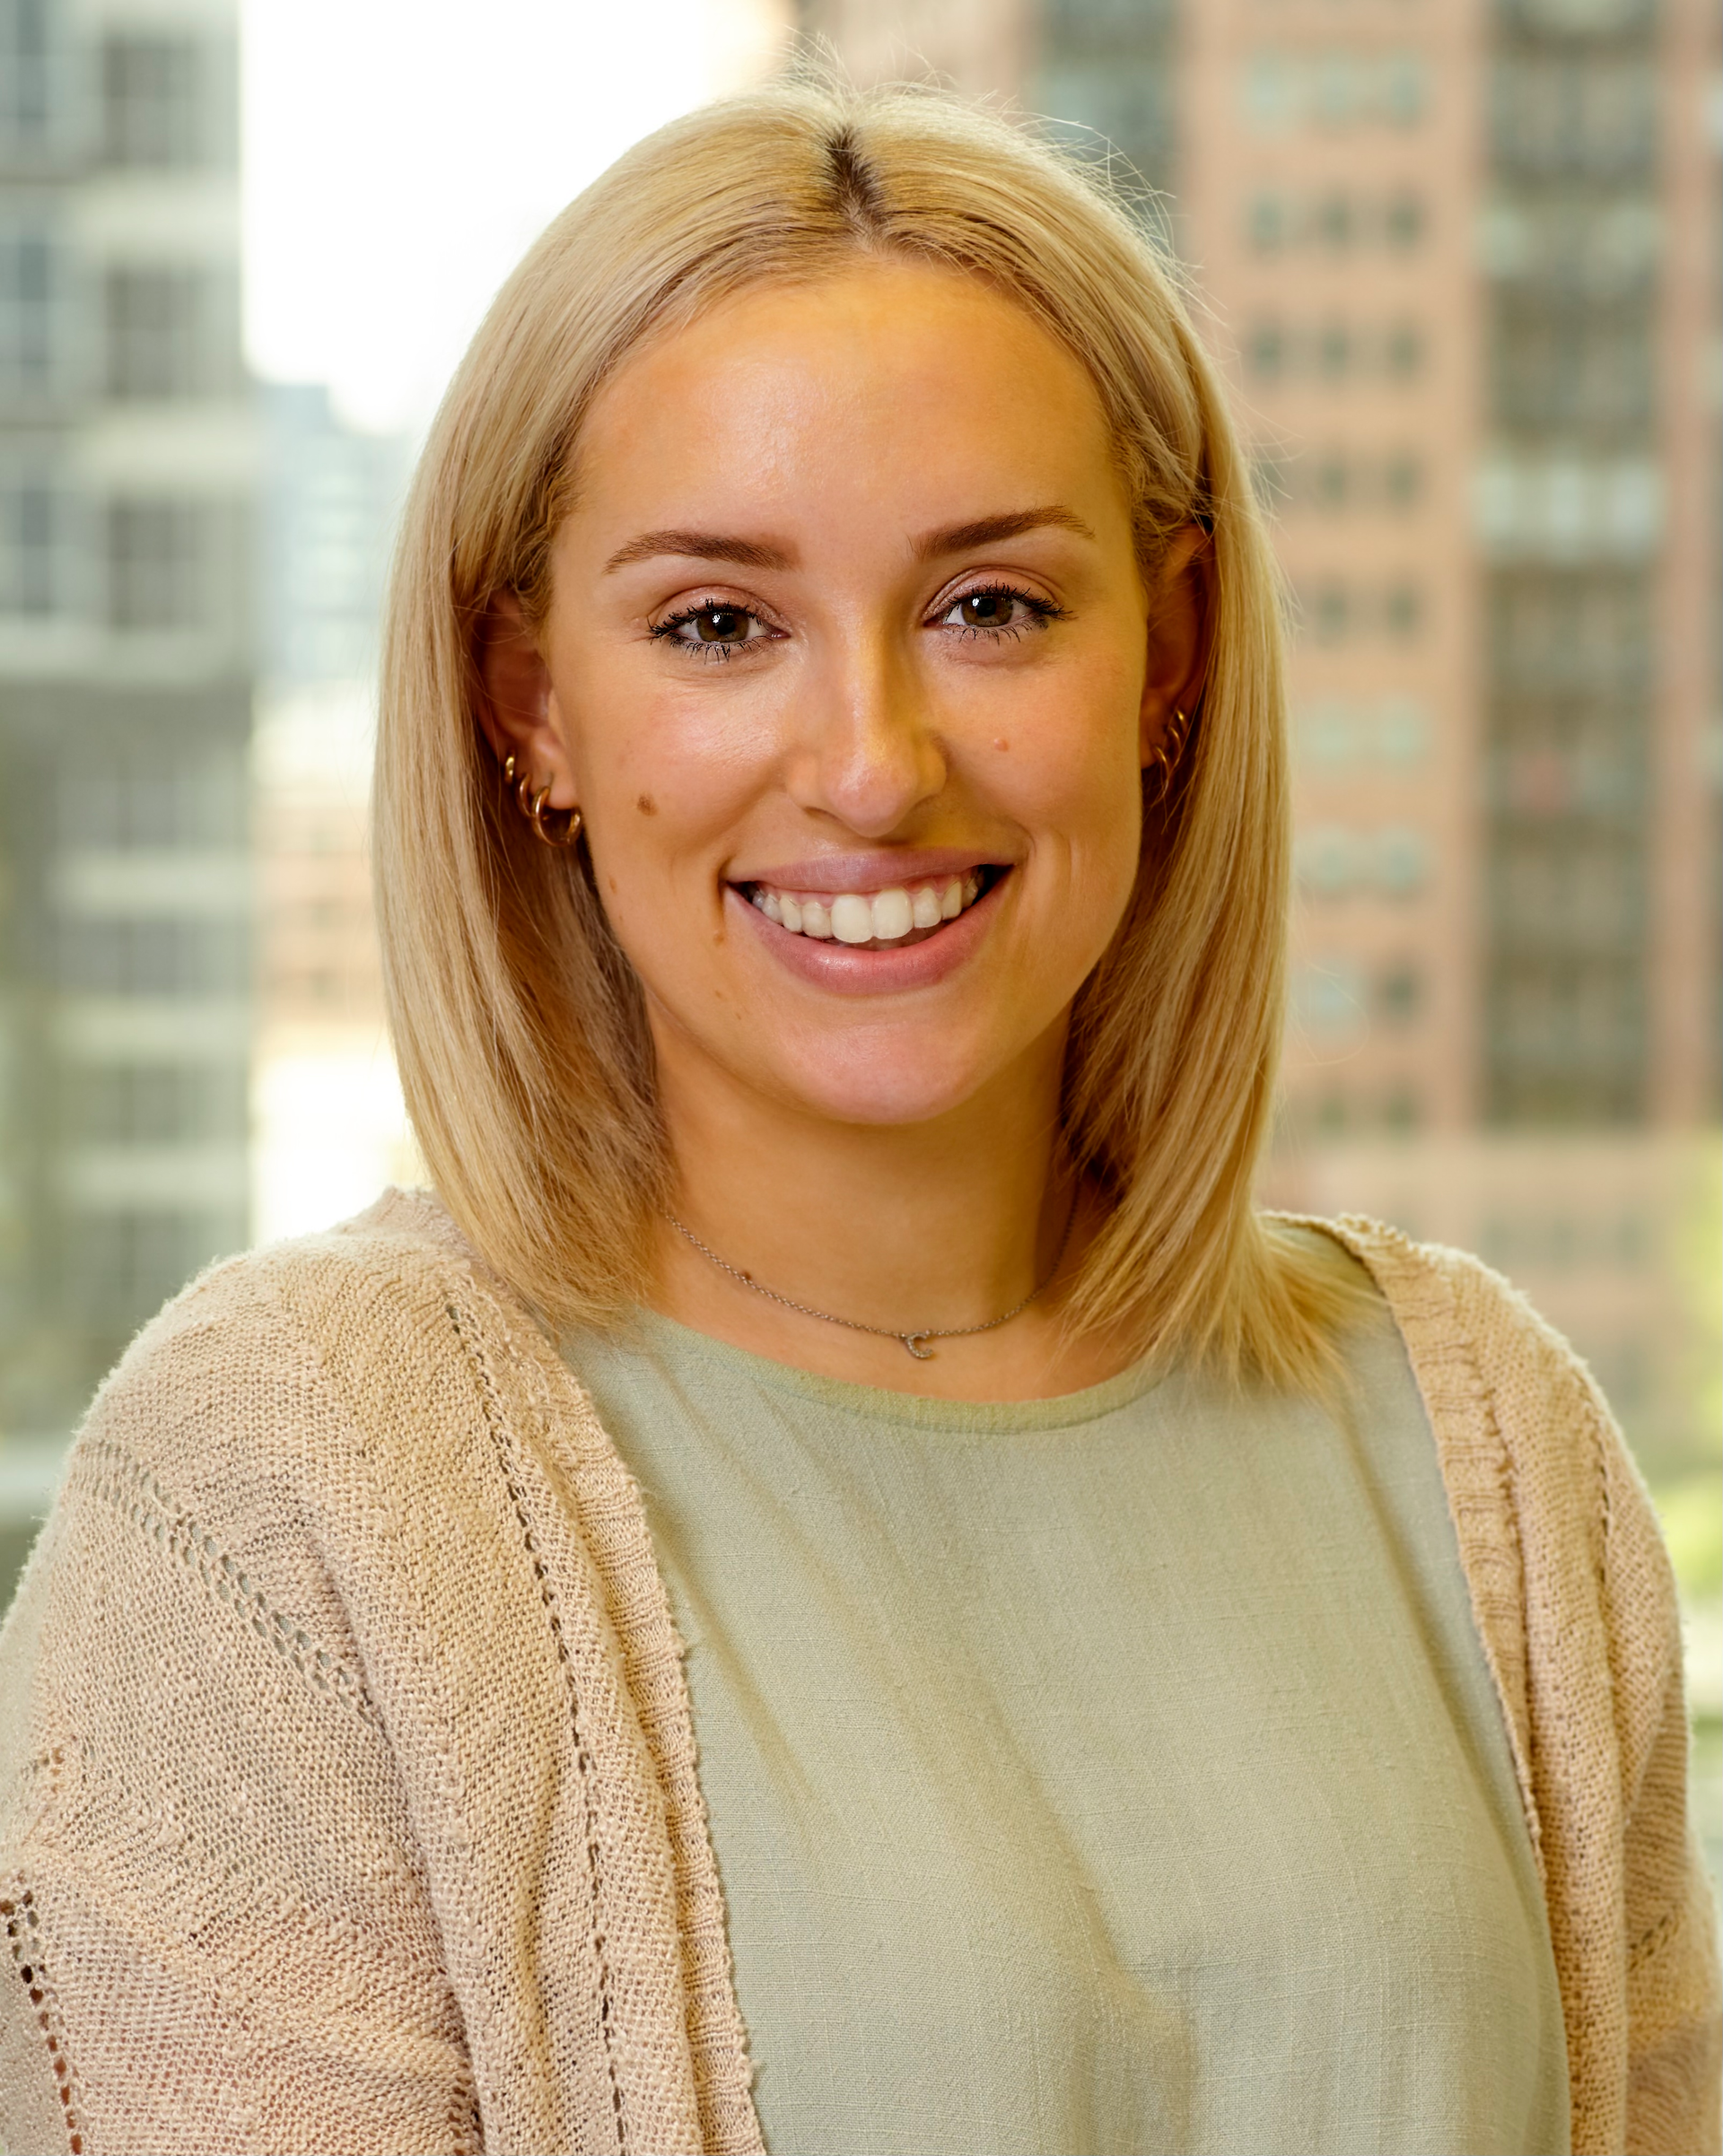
x: 532, y: 806
x: 1165, y: 755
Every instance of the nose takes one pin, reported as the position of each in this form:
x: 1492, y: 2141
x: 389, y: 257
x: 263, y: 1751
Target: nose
x: 868, y: 752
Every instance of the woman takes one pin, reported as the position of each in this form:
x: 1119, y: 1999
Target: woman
x: 1162, y: 1677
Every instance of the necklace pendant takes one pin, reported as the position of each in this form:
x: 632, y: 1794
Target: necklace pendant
x: 912, y: 1341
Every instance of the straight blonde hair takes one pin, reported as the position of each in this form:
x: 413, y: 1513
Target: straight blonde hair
x: 518, y: 1022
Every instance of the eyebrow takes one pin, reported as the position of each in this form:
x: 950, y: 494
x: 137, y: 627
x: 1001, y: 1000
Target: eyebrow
x: 982, y: 531
x: 758, y: 553
x: 701, y: 546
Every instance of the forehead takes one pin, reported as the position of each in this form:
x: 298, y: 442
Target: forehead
x: 885, y: 375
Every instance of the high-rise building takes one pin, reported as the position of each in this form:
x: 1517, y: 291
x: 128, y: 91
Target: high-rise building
x: 128, y: 470
x: 328, y: 1121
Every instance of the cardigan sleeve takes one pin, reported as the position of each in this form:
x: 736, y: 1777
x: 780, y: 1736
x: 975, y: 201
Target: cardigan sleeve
x: 220, y: 1936
x: 1674, y: 2049
x: 1632, y: 1915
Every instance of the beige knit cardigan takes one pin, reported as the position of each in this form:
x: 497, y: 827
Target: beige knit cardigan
x: 349, y: 1799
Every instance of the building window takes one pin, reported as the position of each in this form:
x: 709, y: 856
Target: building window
x: 1403, y: 1112
x: 1401, y: 861
x: 1332, y: 479
x: 27, y: 315
x: 25, y: 64
x: 1334, y: 860
x: 156, y: 957
x: 30, y: 549
x: 1269, y: 222
x: 1331, y: 612
x: 1400, y: 993
x: 1335, y: 350
x: 155, y: 565
x: 1328, y: 997
x: 191, y: 794
x: 1334, y: 222
x: 156, y: 1103
x: 1337, y: 612
x: 124, y: 1265
x: 1340, y: 736
x: 1403, y: 481
x: 1569, y: 629
x: 1334, y: 87
x: 154, y: 317
x: 1405, y: 88
x: 150, y: 100
x: 1594, y: 117
x: 1404, y: 221
x: 1554, y: 366
x: 1338, y: 219
x: 1403, y: 610
x: 1403, y: 350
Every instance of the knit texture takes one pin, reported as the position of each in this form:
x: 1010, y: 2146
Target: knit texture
x: 347, y: 1791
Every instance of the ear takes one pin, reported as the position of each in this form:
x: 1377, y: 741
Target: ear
x: 1180, y: 619
x: 518, y: 710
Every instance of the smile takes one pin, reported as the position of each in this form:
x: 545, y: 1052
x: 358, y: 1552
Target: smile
x: 888, y: 920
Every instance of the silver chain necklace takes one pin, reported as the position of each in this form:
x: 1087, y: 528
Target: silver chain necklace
x: 912, y: 1341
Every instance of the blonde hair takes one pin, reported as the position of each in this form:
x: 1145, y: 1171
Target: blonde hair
x: 518, y: 1022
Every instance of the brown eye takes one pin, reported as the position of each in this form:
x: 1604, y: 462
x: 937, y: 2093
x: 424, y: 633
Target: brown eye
x: 722, y: 625
x: 999, y: 612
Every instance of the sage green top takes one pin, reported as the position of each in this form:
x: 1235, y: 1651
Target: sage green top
x: 1119, y: 1772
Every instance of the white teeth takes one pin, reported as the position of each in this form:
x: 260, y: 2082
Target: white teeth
x: 852, y: 919
x: 893, y: 915
x: 857, y: 917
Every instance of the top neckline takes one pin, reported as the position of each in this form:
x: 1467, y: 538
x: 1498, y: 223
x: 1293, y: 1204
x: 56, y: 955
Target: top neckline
x: 880, y: 1403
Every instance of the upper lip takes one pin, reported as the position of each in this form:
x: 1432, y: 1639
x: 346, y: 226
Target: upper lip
x: 864, y: 872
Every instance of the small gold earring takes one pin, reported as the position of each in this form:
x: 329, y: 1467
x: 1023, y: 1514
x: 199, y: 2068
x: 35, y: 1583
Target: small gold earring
x: 532, y: 806
x: 1165, y: 755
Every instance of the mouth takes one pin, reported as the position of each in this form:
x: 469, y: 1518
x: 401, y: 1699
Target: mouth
x: 889, y: 919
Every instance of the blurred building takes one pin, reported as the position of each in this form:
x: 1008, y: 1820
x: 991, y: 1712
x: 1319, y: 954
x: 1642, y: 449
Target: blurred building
x: 328, y: 1123
x: 128, y: 460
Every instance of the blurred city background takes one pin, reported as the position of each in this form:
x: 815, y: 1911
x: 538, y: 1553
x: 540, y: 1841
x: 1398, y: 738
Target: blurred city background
x: 1461, y: 260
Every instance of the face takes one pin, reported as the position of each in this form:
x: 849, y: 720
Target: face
x: 849, y: 668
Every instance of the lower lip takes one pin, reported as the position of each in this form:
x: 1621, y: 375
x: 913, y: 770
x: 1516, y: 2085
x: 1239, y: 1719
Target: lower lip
x: 851, y: 971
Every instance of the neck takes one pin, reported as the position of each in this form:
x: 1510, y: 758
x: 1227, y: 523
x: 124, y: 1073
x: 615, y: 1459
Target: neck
x: 912, y: 1227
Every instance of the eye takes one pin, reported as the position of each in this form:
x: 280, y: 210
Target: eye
x: 998, y: 610
x: 712, y: 631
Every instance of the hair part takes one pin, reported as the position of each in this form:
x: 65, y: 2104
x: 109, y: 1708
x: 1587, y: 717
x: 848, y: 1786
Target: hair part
x: 518, y: 1025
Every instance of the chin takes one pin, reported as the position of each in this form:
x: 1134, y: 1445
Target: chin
x: 896, y: 1080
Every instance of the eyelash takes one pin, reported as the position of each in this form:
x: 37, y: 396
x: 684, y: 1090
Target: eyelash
x: 1042, y: 611
x: 706, y: 654
x: 703, y: 654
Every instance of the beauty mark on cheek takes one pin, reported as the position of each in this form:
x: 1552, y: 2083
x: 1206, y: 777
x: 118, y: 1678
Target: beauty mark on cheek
x: 646, y: 805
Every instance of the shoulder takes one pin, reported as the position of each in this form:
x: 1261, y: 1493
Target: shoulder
x: 273, y: 1370
x: 1540, y: 1477
x: 1477, y: 1345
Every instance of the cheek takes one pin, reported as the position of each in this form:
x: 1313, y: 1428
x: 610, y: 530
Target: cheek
x: 663, y: 773
x: 1066, y: 764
